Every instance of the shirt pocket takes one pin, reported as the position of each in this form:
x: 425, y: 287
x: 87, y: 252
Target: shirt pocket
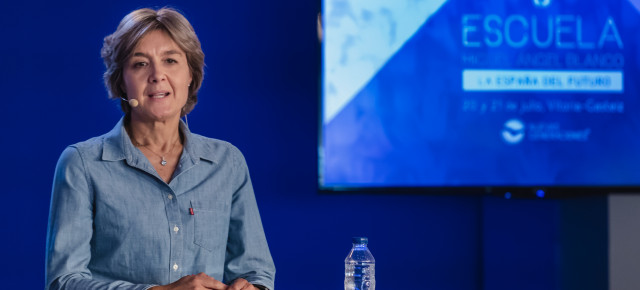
x: 211, y: 224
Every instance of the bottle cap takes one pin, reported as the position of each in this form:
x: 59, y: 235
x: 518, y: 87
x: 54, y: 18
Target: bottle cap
x: 360, y: 240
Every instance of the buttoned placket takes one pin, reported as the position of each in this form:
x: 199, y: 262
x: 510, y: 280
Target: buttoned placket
x: 175, y: 216
x: 174, y: 219
x: 177, y: 238
x: 176, y: 269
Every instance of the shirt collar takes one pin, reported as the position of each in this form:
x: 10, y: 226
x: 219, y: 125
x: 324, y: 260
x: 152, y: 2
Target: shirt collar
x: 118, y: 146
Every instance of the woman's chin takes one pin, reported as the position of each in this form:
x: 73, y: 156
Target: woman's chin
x: 156, y: 116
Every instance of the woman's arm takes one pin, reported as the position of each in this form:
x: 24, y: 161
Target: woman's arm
x: 71, y: 228
x: 248, y: 254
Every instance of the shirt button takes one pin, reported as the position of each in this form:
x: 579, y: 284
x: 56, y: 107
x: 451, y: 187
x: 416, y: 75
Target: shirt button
x: 175, y: 229
x: 170, y: 196
x: 175, y: 267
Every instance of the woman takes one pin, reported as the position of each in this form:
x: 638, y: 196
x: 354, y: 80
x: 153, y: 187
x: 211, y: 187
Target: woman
x: 151, y: 205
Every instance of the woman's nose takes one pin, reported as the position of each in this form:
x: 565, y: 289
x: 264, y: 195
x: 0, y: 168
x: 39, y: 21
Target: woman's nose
x: 157, y: 74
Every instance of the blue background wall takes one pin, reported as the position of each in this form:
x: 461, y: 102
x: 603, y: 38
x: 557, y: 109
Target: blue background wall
x: 260, y: 93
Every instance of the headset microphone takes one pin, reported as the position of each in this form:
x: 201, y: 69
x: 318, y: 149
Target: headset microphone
x: 133, y: 102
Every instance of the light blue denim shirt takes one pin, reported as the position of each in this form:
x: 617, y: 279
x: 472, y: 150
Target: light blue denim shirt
x: 115, y: 224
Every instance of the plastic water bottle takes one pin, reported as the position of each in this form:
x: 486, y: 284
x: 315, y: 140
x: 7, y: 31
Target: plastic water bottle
x: 359, y: 267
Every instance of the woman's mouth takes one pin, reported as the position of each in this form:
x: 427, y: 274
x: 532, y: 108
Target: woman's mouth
x: 159, y: 95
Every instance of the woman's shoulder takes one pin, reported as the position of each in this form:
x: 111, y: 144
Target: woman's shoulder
x: 81, y: 152
x: 90, y: 149
x: 89, y: 145
x: 215, y: 148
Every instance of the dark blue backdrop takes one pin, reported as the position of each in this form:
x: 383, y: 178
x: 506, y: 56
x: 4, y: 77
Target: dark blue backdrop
x: 260, y: 93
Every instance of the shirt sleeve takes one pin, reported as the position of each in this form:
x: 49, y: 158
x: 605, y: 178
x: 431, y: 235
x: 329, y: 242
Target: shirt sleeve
x: 71, y: 227
x: 247, y: 254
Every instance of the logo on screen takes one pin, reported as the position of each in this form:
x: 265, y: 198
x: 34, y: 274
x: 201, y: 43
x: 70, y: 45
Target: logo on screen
x: 541, y: 3
x: 513, y: 131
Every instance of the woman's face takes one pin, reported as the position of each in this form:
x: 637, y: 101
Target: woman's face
x: 158, y: 76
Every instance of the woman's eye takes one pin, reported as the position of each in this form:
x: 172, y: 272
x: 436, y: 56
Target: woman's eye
x: 171, y: 60
x: 139, y: 64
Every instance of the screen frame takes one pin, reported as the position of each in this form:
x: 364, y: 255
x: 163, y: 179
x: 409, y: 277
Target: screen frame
x: 507, y: 191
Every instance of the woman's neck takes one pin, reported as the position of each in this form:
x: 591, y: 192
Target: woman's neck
x: 155, y: 135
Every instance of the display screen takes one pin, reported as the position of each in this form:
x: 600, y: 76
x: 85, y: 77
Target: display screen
x: 460, y: 93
